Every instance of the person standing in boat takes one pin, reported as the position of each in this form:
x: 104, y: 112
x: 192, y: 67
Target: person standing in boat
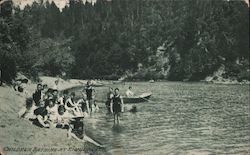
x: 116, y: 106
x: 90, y: 94
x: 129, y: 92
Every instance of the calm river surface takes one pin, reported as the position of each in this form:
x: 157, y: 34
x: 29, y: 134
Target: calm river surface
x: 183, y: 118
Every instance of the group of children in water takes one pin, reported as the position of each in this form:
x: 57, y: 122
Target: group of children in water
x: 50, y: 108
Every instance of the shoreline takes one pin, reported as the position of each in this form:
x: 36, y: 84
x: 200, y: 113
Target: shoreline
x: 201, y: 81
x: 19, y: 133
x: 71, y: 83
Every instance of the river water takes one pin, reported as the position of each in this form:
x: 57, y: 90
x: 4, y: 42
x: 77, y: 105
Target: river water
x: 181, y: 118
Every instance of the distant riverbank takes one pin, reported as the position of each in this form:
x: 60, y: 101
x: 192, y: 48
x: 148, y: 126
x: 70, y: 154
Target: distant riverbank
x: 221, y: 81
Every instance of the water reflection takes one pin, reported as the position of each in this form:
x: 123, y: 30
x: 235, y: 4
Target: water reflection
x: 117, y: 129
x: 183, y: 119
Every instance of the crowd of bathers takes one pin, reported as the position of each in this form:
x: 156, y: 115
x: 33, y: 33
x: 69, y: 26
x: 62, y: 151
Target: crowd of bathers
x: 50, y: 108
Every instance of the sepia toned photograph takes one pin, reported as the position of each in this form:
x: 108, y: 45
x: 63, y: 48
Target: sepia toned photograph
x: 124, y: 77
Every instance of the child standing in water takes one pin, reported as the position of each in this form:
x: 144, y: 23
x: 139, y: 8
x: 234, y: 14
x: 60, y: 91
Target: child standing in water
x: 116, y: 106
x: 110, y: 95
x: 90, y: 92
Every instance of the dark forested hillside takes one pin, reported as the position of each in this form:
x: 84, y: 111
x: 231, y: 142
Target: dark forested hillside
x: 143, y: 39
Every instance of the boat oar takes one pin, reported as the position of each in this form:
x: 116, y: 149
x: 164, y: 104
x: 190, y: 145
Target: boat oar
x: 90, y: 140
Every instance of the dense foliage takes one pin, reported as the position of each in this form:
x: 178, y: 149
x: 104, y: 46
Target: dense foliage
x: 112, y: 38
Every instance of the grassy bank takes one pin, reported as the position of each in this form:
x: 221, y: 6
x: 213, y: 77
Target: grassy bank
x: 19, y: 136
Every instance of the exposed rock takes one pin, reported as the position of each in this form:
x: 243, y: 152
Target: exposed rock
x: 218, y: 78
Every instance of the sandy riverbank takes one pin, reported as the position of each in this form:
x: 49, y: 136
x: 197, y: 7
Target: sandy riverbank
x: 19, y: 136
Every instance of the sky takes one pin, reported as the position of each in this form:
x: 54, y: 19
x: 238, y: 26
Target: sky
x: 59, y: 3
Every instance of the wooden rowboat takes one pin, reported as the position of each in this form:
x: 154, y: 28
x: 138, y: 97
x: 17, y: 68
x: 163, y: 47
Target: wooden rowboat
x: 137, y: 99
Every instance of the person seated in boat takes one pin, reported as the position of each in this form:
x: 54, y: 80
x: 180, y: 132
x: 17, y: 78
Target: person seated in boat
x: 129, y: 92
x: 90, y: 94
x: 52, y: 110
x: 37, y: 95
x: 110, y: 95
x: 41, y: 115
x: 77, y: 131
x: 116, y: 106
x: 71, y: 106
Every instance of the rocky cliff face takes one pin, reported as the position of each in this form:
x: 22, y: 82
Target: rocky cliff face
x: 235, y: 72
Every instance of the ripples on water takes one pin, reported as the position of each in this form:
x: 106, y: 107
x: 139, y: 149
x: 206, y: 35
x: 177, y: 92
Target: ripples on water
x: 184, y: 118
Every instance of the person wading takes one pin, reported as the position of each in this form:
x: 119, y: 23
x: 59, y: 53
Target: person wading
x: 116, y: 106
x: 90, y: 94
x: 110, y: 95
